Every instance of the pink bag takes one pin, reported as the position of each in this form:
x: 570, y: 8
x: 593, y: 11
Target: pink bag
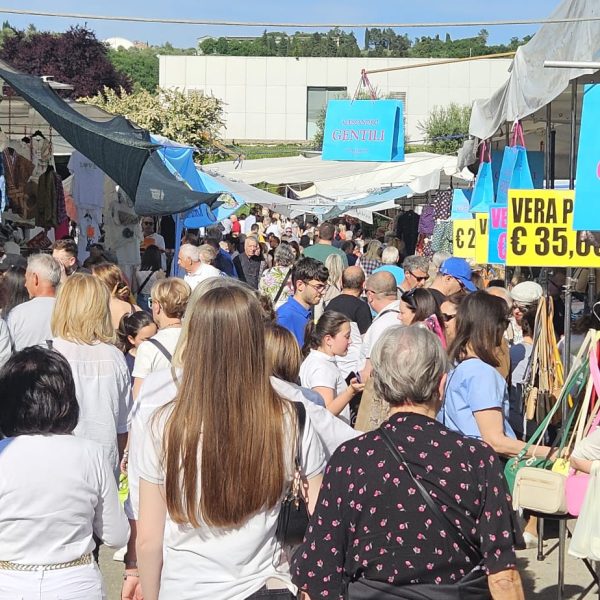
x: 577, y: 482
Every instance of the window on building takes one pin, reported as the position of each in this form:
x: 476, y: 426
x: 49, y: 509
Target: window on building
x: 316, y: 100
x: 398, y: 96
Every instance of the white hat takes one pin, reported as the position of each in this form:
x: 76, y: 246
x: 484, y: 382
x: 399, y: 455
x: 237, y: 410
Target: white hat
x: 527, y: 292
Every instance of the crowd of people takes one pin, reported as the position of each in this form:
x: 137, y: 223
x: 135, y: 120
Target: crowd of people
x: 407, y: 369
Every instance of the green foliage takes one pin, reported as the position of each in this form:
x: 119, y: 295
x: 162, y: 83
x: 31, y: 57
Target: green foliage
x: 140, y: 64
x: 333, y: 43
x: 192, y: 118
x: 386, y: 42
x: 452, y: 120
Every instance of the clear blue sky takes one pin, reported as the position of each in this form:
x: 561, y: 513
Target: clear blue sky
x: 353, y: 11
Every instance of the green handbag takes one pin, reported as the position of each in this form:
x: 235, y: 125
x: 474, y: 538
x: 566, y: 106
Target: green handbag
x: 516, y: 463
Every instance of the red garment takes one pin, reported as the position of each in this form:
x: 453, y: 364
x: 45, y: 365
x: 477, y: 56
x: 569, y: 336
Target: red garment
x: 236, y: 227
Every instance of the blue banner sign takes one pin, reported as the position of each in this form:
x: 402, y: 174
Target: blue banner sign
x: 586, y: 215
x: 364, y: 130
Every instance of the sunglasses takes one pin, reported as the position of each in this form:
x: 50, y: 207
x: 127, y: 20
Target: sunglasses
x: 447, y: 317
x: 151, y: 302
x: 419, y: 279
x: 147, y: 222
x: 408, y: 298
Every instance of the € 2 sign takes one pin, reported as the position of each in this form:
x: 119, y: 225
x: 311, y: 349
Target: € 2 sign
x: 540, y: 231
x: 464, y: 234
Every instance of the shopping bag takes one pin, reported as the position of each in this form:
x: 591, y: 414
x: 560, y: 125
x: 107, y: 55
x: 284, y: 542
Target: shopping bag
x: 585, y: 542
x: 482, y: 197
x: 514, y: 171
x: 460, y: 204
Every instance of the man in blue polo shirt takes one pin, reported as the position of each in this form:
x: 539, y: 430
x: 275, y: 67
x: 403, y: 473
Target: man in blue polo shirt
x: 309, y: 278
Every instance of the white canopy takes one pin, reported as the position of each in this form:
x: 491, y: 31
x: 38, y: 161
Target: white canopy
x: 530, y: 86
x: 337, y: 180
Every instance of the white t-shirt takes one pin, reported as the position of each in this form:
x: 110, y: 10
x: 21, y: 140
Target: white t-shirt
x: 149, y: 358
x: 211, y: 562
x: 56, y: 490
x: 29, y: 323
x: 5, y: 349
x: 203, y: 272
x: 88, y: 182
x: 103, y: 387
x: 321, y: 370
x: 385, y: 319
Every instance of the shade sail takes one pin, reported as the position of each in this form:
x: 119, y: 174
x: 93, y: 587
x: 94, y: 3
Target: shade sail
x: 531, y: 86
x: 117, y: 146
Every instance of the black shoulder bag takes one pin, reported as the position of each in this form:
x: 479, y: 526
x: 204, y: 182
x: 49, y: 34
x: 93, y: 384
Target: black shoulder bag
x: 283, y: 284
x: 161, y: 349
x: 473, y: 586
x: 293, y: 516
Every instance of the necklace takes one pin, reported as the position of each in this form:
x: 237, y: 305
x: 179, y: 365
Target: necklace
x: 172, y: 325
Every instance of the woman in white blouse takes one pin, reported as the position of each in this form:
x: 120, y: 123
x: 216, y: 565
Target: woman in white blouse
x: 214, y: 462
x: 84, y: 335
x: 56, y: 490
x: 329, y: 338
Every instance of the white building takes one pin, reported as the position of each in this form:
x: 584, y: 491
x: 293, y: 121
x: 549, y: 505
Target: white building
x: 270, y: 99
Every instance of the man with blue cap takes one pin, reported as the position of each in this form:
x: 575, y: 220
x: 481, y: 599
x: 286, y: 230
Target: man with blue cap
x: 454, y: 276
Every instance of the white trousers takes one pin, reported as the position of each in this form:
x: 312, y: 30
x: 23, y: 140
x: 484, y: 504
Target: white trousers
x: 75, y: 583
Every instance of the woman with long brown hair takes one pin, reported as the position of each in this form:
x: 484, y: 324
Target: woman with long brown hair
x: 214, y: 464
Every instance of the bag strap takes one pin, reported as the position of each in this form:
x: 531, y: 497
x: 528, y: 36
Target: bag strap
x: 517, y: 135
x: 146, y: 280
x: 283, y: 284
x: 301, y: 415
x: 467, y: 546
x: 161, y: 349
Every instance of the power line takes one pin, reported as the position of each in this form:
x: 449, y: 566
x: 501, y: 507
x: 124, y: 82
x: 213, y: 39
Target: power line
x: 217, y: 23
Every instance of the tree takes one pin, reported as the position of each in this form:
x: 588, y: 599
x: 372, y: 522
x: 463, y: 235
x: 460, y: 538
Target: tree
x: 188, y: 118
x: 139, y: 64
x: 76, y: 57
x: 446, y: 127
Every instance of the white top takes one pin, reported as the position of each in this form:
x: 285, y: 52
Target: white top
x: 56, y: 491
x: 203, y: 272
x: 386, y: 318
x: 142, y: 276
x: 88, y: 182
x: 225, y: 564
x: 29, y: 323
x: 149, y: 358
x: 103, y: 388
x: 5, y: 349
x: 320, y: 370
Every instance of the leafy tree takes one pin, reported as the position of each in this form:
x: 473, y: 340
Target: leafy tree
x: 446, y: 127
x: 76, y: 57
x: 139, y: 64
x: 192, y: 118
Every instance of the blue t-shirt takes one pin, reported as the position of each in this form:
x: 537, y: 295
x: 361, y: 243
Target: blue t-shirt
x: 293, y: 316
x: 473, y: 385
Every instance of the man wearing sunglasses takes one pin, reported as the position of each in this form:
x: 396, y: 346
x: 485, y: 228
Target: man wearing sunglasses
x: 416, y: 273
x: 454, y: 276
x: 309, y: 278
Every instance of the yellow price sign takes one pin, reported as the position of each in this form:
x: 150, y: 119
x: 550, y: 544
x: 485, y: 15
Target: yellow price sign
x: 464, y: 238
x: 481, y: 238
x: 540, y: 231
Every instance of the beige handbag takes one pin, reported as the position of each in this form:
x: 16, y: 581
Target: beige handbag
x: 540, y: 490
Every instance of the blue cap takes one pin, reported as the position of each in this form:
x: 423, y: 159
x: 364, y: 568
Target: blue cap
x: 397, y: 272
x: 459, y: 269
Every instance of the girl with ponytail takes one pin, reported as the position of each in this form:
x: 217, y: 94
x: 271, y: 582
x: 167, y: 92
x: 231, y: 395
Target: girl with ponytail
x: 330, y: 337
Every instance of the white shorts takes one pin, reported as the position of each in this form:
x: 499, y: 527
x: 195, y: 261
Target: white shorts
x: 74, y: 583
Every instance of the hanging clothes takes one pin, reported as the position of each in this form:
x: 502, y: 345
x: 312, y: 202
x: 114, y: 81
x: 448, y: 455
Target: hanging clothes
x: 443, y: 205
x: 17, y: 171
x: 41, y: 155
x: 407, y: 229
x: 45, y: 210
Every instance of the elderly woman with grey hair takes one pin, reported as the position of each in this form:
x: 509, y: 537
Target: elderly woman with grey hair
x: 412, y: 509
x: 276, y: 282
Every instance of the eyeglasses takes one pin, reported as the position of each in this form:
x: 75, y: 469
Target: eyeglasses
x: 417, y: 277
x: 448, y: 318
x: 151, y: 302
x: 319, y: 288
x: 520, y: 307
x: 408, y: 298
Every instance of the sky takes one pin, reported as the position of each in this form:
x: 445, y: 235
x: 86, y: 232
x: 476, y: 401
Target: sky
x: 296, y: 11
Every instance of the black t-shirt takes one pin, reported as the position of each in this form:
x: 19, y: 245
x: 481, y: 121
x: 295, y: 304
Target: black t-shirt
x: 354, y: 308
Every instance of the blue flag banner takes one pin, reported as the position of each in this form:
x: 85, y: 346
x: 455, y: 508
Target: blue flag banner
x: 586, y: 213
x: 364, y: 130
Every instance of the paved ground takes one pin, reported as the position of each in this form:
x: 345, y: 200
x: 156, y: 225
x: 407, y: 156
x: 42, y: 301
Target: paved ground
x: 539, y: 578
